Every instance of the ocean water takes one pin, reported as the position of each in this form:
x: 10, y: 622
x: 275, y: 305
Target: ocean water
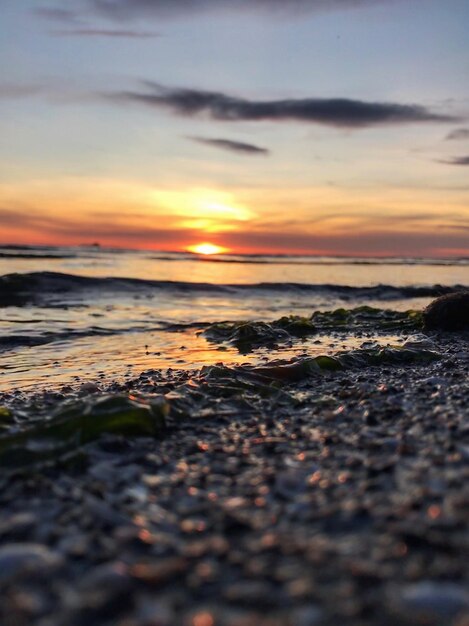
x: 73, y: 315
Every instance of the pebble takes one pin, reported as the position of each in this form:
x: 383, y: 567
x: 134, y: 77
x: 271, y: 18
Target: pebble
x: 307, y: 616
x: 89, y: 388
x: 431, y: 602
x: 18, y: 526
x: 18, y: 559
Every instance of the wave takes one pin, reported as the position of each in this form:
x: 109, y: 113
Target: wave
x: 38, y: 255
x: 51, y: 288
x: 14, y: 251
x: 252, y: 259
x: 18, y: 340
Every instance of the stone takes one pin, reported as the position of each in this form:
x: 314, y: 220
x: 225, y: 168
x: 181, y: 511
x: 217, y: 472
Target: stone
x: 431, y: 602
x: 450, y: 312
x: 18, y: 559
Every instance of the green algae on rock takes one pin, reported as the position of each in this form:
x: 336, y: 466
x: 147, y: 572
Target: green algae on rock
x: 245, y: 379
x: 6, y: 418
x: 75, y: 424
x: 296, y: 325
x: 299, y: 369
x: 388, y: 355
x: 248, y: 335
x: 367, y: 317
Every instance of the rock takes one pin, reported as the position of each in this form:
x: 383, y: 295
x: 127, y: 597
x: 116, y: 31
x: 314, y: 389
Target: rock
x: 27, y: 559
x: 431, y: 602
x: 18, y: 526
x: 450, y: 312
x: 106, y: 580
x: 307, y: 616
x: 89, y: 388
x: 104, y: 594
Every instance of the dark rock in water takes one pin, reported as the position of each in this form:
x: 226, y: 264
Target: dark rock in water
x: 246, y: 335
x: 450, y: 312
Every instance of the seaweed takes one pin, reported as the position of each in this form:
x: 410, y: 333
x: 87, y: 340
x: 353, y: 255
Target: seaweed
x: 240, y: 380
x: 249, y: 335
x: 246, y: 335
x: 296, y: 325
x: 388, y: 355
x: 300, y: 369
x: 6, y: 418
x: 214, y: 391
x: 75, y: 424
x: 367, y: 317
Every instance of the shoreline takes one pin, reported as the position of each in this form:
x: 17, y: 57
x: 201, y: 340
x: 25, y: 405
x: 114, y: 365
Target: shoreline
x: 346, y: 505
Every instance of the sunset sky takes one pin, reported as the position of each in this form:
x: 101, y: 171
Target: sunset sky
x: 304, y: 126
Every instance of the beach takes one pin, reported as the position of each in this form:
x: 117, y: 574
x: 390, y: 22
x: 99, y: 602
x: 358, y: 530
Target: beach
x: 234, y: 313
x: 257, y: 454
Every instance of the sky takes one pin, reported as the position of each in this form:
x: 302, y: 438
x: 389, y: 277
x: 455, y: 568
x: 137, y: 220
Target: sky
x: 276, y: 126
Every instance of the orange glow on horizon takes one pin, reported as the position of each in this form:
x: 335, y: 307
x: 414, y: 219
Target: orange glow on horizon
x: 206, y: 249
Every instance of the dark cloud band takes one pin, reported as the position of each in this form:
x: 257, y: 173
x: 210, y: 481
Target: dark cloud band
x: 12, y: 91
x: 124, y: 9
x: 112, y: 229
x: 458, y: 134
x: 58, y: 14
x: 104, y: 32
x: 147, y: 9
x: 339, y: 112
x: 464, y: 160
x: 231, y: 146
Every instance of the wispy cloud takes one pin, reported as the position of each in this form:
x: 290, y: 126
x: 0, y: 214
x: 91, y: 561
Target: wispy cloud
x: 378, y: 237
x: 57, y: 14
x: 231, y: 146
x: 106, y: 32
x: 125, y: 9
x: 463, y: 160
x: 458, y: 134
x: 13, y: 91
x: 338, y: 112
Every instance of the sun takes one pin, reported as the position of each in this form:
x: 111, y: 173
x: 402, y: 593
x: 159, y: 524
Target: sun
x: 206, y: 248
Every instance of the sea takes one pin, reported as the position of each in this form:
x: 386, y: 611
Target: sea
x: 75, y: 315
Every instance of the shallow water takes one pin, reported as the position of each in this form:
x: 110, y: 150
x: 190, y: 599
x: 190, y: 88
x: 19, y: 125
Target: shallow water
x: 61, y: 329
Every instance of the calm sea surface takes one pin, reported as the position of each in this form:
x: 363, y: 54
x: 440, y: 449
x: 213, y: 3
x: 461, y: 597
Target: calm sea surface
x: 81, y: 314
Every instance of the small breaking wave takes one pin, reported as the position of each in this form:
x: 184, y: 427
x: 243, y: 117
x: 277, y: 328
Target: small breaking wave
x: 51, y: 288
x: 41, y: 338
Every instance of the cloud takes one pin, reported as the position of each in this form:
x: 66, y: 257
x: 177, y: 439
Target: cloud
x: 458, y: 134
x: 105, y: 32
x: 24, y: 225
x: 55, y: 14
x: 338, y: 112
x: 379, y: 242
x: 12, y: 91
x: 231, y: 146
x: 125, y: 9
x: 464, y: 160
